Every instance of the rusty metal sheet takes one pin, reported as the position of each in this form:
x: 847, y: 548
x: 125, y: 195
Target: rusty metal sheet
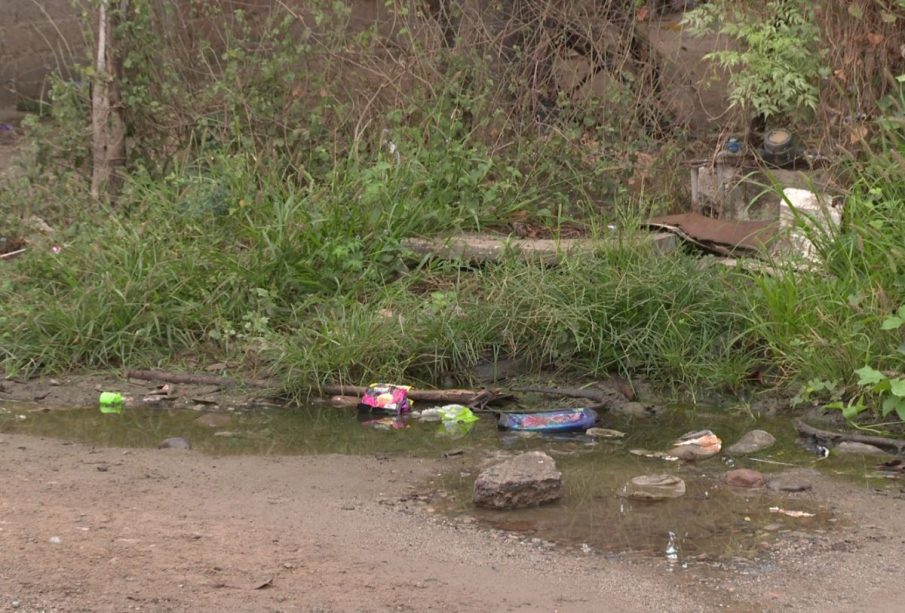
x: 722, y: 236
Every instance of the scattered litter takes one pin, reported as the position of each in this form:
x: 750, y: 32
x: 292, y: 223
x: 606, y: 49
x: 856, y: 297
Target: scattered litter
x: 585, y: 548
x: 455, y: 429
x: 698, y: 445
x: 658, y: 455
x: 702, y: 438
x: 720, y: 236
x: 803, y: 216
x: 457, y: 413
x: 549, y: 421
x: 386, y: 397
x: 791, y: 513
x: 604, y: 433
x: 111, y: 402
x: 672, y: 550
x: 56, y: 540
x: 435, y: 414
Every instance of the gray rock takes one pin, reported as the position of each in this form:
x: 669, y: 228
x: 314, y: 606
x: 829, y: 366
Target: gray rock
x: 751, y: 442
x: 526, y: 480
x: 744, y: 477
x: 794, y: 480
x: 655, y: 487
x: 177, y: 442
x: 859, y: 448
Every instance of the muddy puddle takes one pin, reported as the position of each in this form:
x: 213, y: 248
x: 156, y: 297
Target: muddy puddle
x: 711, y: 524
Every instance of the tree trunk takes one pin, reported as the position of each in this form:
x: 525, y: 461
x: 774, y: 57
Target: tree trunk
x: 108, y: 127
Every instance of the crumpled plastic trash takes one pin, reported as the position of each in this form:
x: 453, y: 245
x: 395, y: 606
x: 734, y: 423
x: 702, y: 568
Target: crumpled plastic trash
x: 791, y: 513
x: 111, y: 402
x: 455, y: 429
x: 698, y: 445
x: 386, y: 397
x: 458, y: 414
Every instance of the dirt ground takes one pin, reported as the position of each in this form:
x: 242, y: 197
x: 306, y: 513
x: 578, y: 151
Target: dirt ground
x: 86, y: 529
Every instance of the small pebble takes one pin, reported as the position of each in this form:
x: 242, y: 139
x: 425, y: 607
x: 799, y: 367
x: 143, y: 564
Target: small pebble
x: 56, y: 540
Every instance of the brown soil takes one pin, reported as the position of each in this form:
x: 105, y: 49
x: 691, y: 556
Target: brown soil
x: 181, y: 531
x: 80, y: 391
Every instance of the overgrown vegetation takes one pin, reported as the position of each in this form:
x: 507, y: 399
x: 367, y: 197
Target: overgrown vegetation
x: 278, y: 160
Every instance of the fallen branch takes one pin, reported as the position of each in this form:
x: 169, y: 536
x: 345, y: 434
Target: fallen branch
x: 169, y: 377
x: 468, y: 398
x: 11, y: 254
x: 604, y: 398
x: 837, y: 437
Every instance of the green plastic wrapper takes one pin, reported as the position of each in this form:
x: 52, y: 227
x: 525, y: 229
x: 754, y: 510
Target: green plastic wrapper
x: 111, y: 402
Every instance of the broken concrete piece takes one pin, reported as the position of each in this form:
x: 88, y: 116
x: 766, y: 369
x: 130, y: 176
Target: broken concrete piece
x: 479, y: 248
x: 655, y: 487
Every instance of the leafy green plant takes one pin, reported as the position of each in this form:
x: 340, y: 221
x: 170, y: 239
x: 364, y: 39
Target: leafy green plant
x: 888, y: 387
x: 776, y: 62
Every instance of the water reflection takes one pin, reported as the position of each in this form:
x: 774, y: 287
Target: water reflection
x: 711, y: 521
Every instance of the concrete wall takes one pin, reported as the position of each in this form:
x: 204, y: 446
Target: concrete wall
x: 35, y: 37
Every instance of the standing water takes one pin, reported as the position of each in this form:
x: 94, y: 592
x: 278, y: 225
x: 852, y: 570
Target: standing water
x: 712, y: 521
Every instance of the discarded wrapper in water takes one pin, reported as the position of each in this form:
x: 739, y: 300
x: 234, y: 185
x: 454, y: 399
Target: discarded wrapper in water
x: 111, y: 402
x: 386, y: 398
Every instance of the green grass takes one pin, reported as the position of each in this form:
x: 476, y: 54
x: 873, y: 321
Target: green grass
x: 264, y: 227
x: 227, y: 260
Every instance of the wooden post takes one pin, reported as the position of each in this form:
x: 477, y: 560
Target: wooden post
x: 108, y: 128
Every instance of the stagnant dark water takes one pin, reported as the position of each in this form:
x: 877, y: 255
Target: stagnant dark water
x: 711, y: 522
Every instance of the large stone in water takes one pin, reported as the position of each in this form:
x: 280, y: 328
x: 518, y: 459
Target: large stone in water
x: 744, y: 477
x: 793, y: 480
x: 752, y: 442
x: 526, y: 480
x: 859, y: 448
x: 655, y: 487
